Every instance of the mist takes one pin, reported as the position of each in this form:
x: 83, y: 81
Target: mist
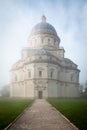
x: 17, y: 17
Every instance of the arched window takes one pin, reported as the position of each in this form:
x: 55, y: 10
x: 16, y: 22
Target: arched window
x: 58, y: 76
x: 40, y: 57
x: 50, y: 58
x: 51, y: 73
x: 72, y: 76
x: 15, y: 77
x: 40, y: 73
x: 29, y: 74
x: 48, y: 40
x: 35, y: 40
x: 42, y: 40
x: 54, y: 41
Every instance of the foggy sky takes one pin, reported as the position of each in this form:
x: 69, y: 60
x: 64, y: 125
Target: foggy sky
x: 17, y: 17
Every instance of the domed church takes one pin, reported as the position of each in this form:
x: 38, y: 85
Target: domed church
x: 43, y: 71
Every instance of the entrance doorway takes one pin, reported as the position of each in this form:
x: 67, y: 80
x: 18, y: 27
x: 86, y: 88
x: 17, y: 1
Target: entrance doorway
x: 40, y: 94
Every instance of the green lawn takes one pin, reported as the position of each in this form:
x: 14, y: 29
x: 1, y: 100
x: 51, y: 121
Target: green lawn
x: 10, y: 108
x: 74, y: 109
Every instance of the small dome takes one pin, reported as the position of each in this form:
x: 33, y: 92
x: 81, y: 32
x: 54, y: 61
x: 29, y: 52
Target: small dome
x: 43, y: 27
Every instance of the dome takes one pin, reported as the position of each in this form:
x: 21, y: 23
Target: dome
x: 43, y: 27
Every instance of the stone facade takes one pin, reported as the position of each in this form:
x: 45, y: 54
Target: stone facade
x: 43, y: 71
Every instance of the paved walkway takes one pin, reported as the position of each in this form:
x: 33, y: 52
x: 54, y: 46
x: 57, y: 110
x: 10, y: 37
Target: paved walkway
x: 41, y: 116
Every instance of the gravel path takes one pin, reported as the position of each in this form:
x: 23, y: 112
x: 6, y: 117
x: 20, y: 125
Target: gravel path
x: 42, y: 116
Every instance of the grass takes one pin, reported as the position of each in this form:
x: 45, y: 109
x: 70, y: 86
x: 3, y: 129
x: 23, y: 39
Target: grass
x: 74, y: 109
x: 10, y: 108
